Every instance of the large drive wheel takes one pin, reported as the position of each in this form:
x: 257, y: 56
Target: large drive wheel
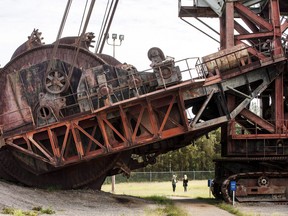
x: 25, y: 69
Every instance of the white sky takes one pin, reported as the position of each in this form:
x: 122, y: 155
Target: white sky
x: 144, y: 23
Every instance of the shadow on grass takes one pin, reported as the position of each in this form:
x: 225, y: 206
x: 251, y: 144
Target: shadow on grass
x: 161, y: 200
x: 168, y: 207
x: 211, y: 201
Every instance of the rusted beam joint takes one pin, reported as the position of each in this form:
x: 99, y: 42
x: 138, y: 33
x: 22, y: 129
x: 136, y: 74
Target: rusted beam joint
x: 121, y: 165
x: 254, y: 35
x: 204, y: 105
x: 252, y: 16
x: 239, y: 92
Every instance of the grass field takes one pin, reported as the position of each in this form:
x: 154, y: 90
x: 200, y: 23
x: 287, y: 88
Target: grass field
x: 196, y: 189
x: 156, y: 190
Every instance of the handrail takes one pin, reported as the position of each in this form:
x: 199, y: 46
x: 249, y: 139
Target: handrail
x: 92, y: 99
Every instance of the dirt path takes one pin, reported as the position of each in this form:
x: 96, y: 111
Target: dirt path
x: 198, y: 207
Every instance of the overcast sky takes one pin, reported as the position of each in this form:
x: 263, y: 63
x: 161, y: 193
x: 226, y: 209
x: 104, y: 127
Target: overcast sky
x: 144, y: 23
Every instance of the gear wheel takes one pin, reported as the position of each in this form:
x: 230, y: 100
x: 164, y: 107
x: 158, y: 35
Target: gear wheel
x: 263, y: 181
x: 56, y: 81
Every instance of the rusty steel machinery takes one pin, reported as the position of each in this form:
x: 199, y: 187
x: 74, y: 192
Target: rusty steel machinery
x: 253, y: 40
x: 70, y: 118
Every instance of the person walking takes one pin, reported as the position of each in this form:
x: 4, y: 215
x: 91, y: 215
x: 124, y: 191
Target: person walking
x: 185, y: 183
x: 174, y: 181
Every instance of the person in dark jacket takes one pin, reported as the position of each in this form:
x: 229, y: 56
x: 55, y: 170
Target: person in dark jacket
x: 185, y: 183
x: 174, y: 181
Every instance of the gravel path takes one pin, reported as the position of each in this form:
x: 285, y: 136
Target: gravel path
x: 263, y: 209
x: 73, y: 202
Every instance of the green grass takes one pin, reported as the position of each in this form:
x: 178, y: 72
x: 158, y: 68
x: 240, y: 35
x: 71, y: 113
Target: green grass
x: 231, y: 209
x: 43, y: 210
x: 161, y: 200
x: 34, y: 212
x: 159, y: 192
x: 171, y: 210
x: 167, y: 207
x: 196, y: 189
x: 7, y: 210
x: 18, y: 212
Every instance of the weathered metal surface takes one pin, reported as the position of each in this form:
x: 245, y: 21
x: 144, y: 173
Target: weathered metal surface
x: 227, y: 58
x: 249, y: 133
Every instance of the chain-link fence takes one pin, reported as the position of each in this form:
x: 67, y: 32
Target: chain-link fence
x: 162, y: 176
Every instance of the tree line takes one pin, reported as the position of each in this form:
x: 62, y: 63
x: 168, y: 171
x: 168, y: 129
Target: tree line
x: 197, y: 156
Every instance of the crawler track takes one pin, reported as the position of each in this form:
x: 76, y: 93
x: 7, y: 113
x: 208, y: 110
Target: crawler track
x: 251, y: 193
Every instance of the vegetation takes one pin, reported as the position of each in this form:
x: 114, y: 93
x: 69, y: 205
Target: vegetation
x: 229, y: 208
x: 18, y: 212
x: 161, y: 200
x: 169, y: 208
x: 43, y: 210
x: 197, y: 188
x: 7, y: 210
x: 34, y: 212
x: 197, y: 156
x: 159, y: 192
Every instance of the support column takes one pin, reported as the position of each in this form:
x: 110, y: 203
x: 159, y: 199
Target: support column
x: 229, y: 16
x: 277, y: 50
x: 229, y: 129
x: 222, y: 21
x: 279, y: 105
x: 275, y: 16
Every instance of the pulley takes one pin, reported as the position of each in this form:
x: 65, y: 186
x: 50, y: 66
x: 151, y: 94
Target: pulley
x: 56, y: 81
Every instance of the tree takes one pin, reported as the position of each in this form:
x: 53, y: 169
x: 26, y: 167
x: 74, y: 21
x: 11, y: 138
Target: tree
x: 197, y: 156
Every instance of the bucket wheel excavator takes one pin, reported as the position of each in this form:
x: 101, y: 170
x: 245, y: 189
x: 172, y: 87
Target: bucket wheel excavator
x: 69, y: 117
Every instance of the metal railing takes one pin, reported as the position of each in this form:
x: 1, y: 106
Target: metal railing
x: 259, y: 147
x: 257, y: 129
x: 191, y: 69
x: 122, y: 88
x: 266, y: 144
